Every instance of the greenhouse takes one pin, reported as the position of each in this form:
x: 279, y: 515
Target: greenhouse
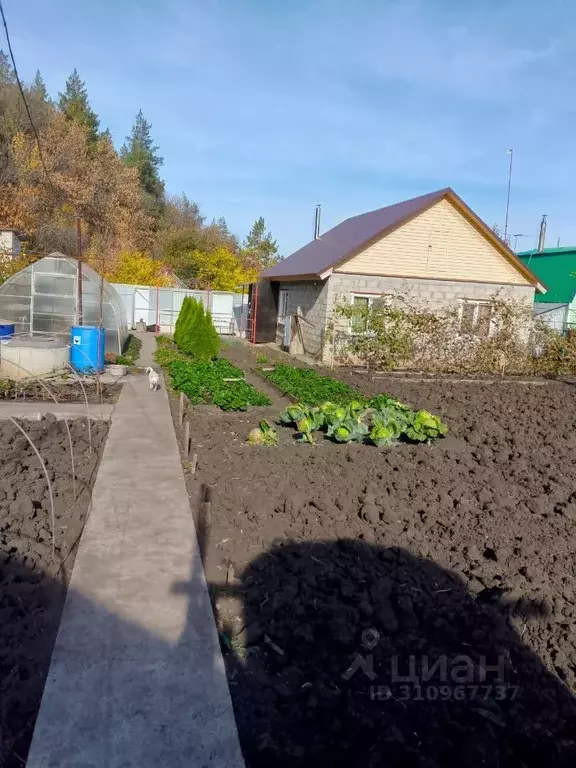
x: 43, y: 300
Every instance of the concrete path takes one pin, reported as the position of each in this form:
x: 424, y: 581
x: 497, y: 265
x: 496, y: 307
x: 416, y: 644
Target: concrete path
x: 137, y: 678
x: 148, y: 348
x: 22, y: 410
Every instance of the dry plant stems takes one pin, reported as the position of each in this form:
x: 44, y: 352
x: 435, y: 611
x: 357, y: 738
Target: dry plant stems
x: 53, y: 397
x: 397, y: 333
x: 45, y: 470
x: 83, y: 388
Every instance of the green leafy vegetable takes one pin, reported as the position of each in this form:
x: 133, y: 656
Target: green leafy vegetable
x: 309, y: 387
x: 263, y: 434
x: 425, y: 427
x: 204, y: 382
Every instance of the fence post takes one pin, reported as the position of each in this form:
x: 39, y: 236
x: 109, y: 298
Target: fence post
x: 187, y: 439
x: 181, y: 409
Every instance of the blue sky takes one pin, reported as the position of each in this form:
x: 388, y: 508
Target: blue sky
x: 267, y: 107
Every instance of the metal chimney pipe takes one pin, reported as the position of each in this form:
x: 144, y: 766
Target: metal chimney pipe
x: 317, y: 214
x: 542, y: 235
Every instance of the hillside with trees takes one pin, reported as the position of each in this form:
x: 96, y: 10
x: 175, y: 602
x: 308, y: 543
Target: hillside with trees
x: 132, y: 230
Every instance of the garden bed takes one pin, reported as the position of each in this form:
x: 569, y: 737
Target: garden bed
x: 33, y: 582
x: 318, y: 555
x: 65, y: 391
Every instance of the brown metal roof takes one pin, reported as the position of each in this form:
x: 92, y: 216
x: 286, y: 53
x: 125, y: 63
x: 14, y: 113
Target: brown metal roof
x: 350, y: 236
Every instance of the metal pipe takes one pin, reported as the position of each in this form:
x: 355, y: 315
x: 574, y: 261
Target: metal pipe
x: 511, y: 153
x: 79, y: 273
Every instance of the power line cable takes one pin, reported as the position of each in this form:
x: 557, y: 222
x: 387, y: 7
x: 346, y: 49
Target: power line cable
x: 21, y: 89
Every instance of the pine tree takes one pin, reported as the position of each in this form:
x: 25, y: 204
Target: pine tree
x: 7, y: 76
x: 74, y: 104
x: 38, y: 87
x: 141, y: 153
x: 260, y: 249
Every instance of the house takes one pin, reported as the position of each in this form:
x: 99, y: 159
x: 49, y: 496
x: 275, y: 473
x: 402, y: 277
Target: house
x: 9, y: 242
x: 556, y: 267
x: 434, y: 246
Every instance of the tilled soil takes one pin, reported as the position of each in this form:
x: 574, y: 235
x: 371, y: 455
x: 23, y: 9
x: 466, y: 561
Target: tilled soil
x: 34, y: 569
x: 64, y: 392
x: 339, y: 571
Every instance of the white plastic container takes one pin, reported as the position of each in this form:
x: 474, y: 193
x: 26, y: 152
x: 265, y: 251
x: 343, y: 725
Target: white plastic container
x: 33, y: 357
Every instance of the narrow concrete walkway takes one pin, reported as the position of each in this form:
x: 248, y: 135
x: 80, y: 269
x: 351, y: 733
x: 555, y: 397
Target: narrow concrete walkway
x: 18, y: 410
x: 137, y: 678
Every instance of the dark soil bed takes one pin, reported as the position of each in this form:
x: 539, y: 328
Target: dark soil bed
x: 63, y: 391
x: 33, y: 582
x: 360, y: 592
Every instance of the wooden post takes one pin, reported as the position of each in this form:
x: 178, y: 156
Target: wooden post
x: 187, y: 439
x: 181, y: 409
x: 194, y: 463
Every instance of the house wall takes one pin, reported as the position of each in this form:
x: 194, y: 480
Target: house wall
x: 9, y: 244
x: 310, y: 300
x: 435, y: 294
x: 439, y: 243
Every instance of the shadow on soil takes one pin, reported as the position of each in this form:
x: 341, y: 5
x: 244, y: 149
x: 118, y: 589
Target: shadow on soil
x: 361, y: 655
x: 357, y: 656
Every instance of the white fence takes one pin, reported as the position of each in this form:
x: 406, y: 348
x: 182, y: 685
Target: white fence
x: 160, y: 307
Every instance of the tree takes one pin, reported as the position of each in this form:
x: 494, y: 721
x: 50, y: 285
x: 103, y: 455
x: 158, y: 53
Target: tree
x: 219, y: 270
x: 86, y: 179
x: 260, y: 250
x: 74, y: 104
x: 38, y: 87
x: 7, y: 76
x: 141, y: 153
x: 136, y: 268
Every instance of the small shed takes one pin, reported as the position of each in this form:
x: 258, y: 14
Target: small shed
x: 556, y: 267
x: 43, y: 299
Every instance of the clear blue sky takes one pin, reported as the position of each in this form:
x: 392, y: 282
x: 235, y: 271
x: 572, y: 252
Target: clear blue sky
x: 267, y: 107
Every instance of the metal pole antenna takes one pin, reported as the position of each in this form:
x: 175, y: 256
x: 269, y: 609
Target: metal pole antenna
x: 79, y: 275
x: 511, y: 153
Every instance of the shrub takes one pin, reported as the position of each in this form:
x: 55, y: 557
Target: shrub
x: 132, y: 349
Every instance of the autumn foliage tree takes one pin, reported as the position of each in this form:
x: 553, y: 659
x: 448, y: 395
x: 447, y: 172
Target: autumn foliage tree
x: 130, y: 228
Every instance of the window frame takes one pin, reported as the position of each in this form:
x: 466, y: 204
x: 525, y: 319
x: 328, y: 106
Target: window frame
x: 283, y: 296
x: 371, y: 298
x: 472, y: 334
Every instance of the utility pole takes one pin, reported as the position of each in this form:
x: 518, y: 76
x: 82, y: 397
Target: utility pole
x: 511, y: 153
x: 79, y: 273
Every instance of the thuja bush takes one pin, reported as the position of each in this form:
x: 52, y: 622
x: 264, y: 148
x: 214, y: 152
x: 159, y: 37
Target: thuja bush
x: 194, y: 332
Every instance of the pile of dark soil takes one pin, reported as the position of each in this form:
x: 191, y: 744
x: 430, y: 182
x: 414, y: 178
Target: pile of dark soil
x: 32, y: 581
x: 465, y: 547
x: 68, y: 391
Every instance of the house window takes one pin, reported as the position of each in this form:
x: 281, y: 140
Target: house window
x: 475, y: 318
x: 282, y: 306
x: 364, y: 302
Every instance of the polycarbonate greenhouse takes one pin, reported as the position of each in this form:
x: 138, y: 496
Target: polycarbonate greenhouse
x: 43, y: 300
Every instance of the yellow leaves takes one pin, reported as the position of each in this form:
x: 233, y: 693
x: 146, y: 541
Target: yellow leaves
x: 220, y: 269
x: 136, y: 268
x: 9, y: 267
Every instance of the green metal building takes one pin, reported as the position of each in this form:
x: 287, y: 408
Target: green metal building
x: 556, y: 268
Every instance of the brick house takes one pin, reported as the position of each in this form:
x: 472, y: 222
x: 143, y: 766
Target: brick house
x: 433, y: 246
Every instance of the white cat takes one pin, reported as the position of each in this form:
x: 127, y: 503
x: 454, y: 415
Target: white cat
x: 153, y: 378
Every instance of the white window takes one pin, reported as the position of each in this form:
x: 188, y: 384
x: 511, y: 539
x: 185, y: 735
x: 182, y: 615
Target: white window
x: 363, y: 301
x: 282, y: 306
x: 475, y: 318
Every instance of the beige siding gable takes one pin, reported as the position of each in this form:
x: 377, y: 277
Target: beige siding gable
x: 438, y: 243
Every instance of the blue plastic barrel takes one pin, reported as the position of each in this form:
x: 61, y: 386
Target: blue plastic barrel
x: 7, y: 330
x: 87, y: 348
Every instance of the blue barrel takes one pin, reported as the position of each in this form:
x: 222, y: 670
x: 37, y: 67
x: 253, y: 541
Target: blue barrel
x: 7, y: 330
x: 87, y: 348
